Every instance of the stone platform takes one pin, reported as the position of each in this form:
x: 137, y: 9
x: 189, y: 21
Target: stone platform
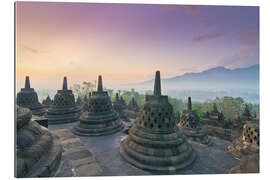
x: 77, y: 160
x: 108, y: 162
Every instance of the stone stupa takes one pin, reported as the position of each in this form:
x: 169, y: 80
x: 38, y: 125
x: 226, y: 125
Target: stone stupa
x: 190, y: 125
x: 101, y: 118
x: 64, y: 108
x: 28, y: 98
x: 47, y: 102
x: 38, y: 152
x: 214, y: 117
x: 133, y: 106
x: 247, y: 148
x: 123, y: 102
x: 119, y: 108
x: 155, y: 143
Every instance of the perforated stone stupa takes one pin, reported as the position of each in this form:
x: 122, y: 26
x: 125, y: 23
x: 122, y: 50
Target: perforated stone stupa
x: 132, y: 105
x: 28, y: 98
x: 123, y: 102
x: 38, y: 152
x: 47, y: 102
x: 248, y: 142
x: 244, y: 117
x: 101, y: 118
x: 63, y: 109
x: 247, y: 148
x: 214, y: 117
x: 119, y: 108
x: 155, y: 143
x: 190, y: 125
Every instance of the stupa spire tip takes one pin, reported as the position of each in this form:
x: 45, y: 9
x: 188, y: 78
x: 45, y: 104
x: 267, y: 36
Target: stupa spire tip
x: 100, y: 87
x: 157, y: 85
x: 27, y: 82
x: 189, y: 103
x: 65, y: 87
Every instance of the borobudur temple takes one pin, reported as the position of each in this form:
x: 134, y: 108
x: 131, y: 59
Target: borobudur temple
x: 247, y: 148
x: 28, y: 98
x: 101, y: 118
x: 190, y: 125
x: 155, y: 143
x: 64, y: 108
x: 119, y: 108
x: 38, y: 152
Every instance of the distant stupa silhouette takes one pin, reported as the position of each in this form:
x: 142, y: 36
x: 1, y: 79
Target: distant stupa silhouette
x: 101, y: 118
x: 155, y: 143
x: 28, y: 98
x: 63, y: 109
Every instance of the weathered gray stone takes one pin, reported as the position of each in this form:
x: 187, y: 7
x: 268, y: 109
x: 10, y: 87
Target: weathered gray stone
x: 190, y: 125
x: 100, y: 118
x: 28, y: 98
x: 77, y: 159
x: 38, y: 152
x: 119, y: 108
x: 63, y: 109
x: 155, y: 143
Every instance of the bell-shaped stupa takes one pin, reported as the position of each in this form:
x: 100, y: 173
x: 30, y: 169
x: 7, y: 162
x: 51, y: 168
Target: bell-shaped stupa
x: 123, y: 102
x: 119, y: 108
x: 155, y: 143
x: 28, y: 98
x: 79, y: 101
x: 247, y: 148
x: 190, y: 125
x: 64, y: 108
x: 214, y: 117
x: 248, y: 142
x: 101, y: 118
x: 47, y: 102
x: 132, y: 105
x: 246, y: 116
x: 38, y: 152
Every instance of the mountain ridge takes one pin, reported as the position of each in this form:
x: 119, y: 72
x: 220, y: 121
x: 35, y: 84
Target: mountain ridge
x: 213, y: 78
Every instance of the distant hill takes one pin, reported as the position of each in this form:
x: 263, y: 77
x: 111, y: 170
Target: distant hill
x: 218, y: 78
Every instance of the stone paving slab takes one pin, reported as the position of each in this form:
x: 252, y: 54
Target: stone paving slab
x: 211, y: 160
x: 77, y: 160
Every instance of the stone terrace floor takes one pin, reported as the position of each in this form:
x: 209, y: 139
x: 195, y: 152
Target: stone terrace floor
x: 105, y: 150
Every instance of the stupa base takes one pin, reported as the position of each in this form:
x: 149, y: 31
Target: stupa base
x: 187, y: 160
x: 96, y: 132
x: 62, y: 119
x: 198, y: 136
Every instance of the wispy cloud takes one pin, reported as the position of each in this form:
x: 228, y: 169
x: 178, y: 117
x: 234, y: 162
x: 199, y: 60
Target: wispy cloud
x: 206, y: 37
x: 192, y: 9
x: 208, y: 23
x: 243, y: 57
x: 30, y: 49
x: 250, y: 37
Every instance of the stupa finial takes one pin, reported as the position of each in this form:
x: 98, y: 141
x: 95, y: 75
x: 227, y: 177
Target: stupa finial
x: 157, y: 86
x: 27, y: 82
x: 215, y: 107
x: 100, y: 88
x: 189, y: 104
x: 116, y: 97
x: 65, y: 83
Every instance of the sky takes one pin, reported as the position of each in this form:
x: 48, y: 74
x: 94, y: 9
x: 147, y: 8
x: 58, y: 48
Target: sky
x: 127, y: 43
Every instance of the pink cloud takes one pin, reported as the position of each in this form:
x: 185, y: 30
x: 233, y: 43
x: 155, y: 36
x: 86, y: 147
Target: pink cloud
x: 207, y: 23
x: 240, y: 58
x: 192, y: 9
x: 206, y: 37
x: 250, y: 37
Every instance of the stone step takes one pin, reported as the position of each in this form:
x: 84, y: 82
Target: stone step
x: 77, y: 160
